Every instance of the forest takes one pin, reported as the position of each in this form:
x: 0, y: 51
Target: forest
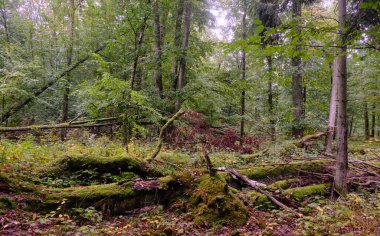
x: 190, y: 117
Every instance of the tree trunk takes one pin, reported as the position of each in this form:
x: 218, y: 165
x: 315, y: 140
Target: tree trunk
x: 333, y: 107
x: 272, y: 122
x: 297, y: 87
x: 351, y: 126
x: 138, y: 46
x: 158, y: 62
x: 243, y: 69
x: 341, y: 157
x: 69, y: 57
x: 5, y: 22
x: 177, y: 43
x: 366, y: 121
x: 373, y: 120
x: 186, y: 35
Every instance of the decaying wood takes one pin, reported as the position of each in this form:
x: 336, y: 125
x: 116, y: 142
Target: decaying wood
x: 256, y: 186
x: 162, y: 132
x: 308, y: 138
x: 258, y: 154
x: 58, y: 126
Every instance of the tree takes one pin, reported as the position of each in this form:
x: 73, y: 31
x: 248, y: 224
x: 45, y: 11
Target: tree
x: 243, y: 68
x: 341, y: 64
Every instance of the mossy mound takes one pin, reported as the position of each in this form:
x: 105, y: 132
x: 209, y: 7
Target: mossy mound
x: 6, y: 203
x: 112, y: 165
x: 263, y: 172
x: 215, y: 204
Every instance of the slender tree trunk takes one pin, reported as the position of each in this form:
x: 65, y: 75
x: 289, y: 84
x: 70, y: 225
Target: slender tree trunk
x: 185, y: 45
x: 333, y: 107
x: 272, y: 122
x: 177, y: 43
x: 138, y: 46
x: 69, y: 58
x: 351, y: 126
x: 342, y: 157
x: 366, y: 121
x: 297, y: 87
x: 158, y: 62
x: 3, y: 11
x: 373, y: 120
x: 243, y: 69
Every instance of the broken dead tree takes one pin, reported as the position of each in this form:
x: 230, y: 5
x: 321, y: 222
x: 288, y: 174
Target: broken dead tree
x: 256, y: 186
x: 162, y: 133
x: 306, y: 140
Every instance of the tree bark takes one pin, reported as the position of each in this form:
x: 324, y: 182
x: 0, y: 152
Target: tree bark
x: 158, y: 62
x: 186, y: 35
x: 366, y: 121
x: 333, y: 107
x: 243, y: 69
x: 177, y: 43
x: 5, y: 22
x: 297, y: 87
x: 342, y: 157
x: 272, y: 122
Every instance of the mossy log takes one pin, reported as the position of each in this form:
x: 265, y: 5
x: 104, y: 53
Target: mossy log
x: 296, y: 194
x: 286, y: 169
x: 110, y: 198
x: 113, y: 165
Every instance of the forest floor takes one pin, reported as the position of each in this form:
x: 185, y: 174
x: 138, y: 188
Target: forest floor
x: 34, y: 196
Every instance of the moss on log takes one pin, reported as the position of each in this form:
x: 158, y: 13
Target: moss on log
x: 109, y: 198
x: 283, y: 170
x: 214, y: 203
x: 283, y: 184
x: 113, y: 165
x: 297, y: 194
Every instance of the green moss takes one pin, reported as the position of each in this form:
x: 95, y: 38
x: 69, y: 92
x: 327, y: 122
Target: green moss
x: 215, y: 204
x: 6, y: 203
x: 283, y: 170
x: 282, y: 184
x: 302, y: 192
x: 113, y: 165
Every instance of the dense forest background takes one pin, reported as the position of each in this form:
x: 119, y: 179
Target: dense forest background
x: 148, y: 57
x: 189, y: 117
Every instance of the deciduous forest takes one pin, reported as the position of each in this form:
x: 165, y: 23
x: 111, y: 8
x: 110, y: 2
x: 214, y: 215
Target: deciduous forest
x: 189, y: 117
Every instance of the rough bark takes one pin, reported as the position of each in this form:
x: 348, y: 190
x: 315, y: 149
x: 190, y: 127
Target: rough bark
x: 185, y: 45
x: 297, y: 87
x: 158, y: 61
x: 333, y: 107
x: 243, y: 69
x: 342, y: 157
x: 177, y: 43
